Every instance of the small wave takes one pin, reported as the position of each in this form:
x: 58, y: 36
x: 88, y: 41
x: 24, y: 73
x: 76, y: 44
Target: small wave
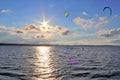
x: 84, y: 74
x: 5, y: 67
x: 106, y: 75
x: 12, y: 74
x: 87, y: 68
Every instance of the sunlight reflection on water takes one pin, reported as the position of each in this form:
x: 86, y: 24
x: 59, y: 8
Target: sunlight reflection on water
x: 43, y: 64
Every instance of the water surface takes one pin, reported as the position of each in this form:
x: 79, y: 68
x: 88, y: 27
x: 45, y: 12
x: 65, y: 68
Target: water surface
x: 57, y: 63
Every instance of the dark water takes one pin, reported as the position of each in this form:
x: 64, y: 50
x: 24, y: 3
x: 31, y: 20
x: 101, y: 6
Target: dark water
x: 59, y: 63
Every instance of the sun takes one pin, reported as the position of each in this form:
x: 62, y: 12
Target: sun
x: 45, y: 24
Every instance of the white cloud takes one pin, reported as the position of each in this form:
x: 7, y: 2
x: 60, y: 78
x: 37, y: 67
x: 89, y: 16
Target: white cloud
x: 57, y: 35
x: 85, y: 13
x: 5, y: 29
x: 85, y: 24
x: 5, y: 11
x: 91, y: 23
x: 102, y: 21
x: 89, y: 42
x: 36, y: 31
x: 101, y: 33
x: 2, y: 28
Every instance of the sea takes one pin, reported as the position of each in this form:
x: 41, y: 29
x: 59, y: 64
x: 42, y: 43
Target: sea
x: 59, y: 62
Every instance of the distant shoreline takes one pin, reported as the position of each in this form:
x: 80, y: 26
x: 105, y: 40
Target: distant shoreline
x: 15, y: 44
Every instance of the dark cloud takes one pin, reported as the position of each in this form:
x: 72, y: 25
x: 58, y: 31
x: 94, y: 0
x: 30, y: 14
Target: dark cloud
x: 111, y: 33
x: 116, y: 41
x: 40, y: 36
x: 19, y: 31
x: 31, y: 27
x: 65, y: 32
x: 115, y: 32
x: 60, y: 28
x: 106, y: 35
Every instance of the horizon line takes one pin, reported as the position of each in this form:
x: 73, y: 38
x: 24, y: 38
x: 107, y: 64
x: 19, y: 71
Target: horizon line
x: 15, y: 44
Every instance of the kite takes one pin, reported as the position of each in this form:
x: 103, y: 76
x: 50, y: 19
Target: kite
x: 66, y: 14
x: 109, y: 10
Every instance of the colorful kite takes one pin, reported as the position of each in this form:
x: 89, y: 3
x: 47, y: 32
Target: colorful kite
x: 66, y: 14
x: 108, y: 9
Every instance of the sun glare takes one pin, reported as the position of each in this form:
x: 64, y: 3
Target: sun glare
x: 45, y: 22
x: 44, y: 25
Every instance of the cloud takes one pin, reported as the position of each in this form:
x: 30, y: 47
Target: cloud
x: 109, y: 33
x: 56, y: 35
x: 85, y: 13
x: 5, y: 11
x: 65, y: 32
x: 33, y: 31
x: 84, y: 23
x: 2, y: 28
x: 87, y: 42
x: 91, y: 23
x: 31, y: 27
x: 102, y: 21
x: 17, y: 31
x: 5, y: 29
x: 101, y: 33
x: 116, y: 41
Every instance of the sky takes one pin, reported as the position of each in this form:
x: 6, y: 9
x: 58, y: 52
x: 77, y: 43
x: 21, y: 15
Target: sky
x: 44, y: 22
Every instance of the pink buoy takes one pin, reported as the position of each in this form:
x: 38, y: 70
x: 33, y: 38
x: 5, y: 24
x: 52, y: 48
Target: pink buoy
x: 73, y: 60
